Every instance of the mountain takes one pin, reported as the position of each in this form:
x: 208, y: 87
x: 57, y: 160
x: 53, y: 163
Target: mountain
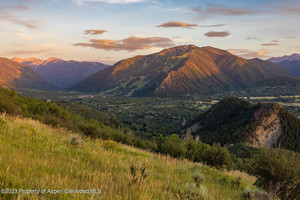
x: 293, y: 57
x: 179, y: 71
x: 61, y: 73
x: 233, y: 121
x: 290, y: 63
x: 16, y: 75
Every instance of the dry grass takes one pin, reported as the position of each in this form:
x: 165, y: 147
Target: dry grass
x: 37, y: 156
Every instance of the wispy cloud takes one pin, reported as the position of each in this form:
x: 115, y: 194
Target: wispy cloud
x: 130, y: 44
x: 37, y: 49
x: 80, y: 2
x: 270, y: 44
x: 6, y: 15
x: 212, y: 26
x: 289, y: 7
x: 217, y: 34
x: 210, y: 10
x: 94, y: 32
x: 253, y: 38
x: 246, y: 53
x: 176, y: 24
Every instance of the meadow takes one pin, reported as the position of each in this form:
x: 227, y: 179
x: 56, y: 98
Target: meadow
x: 36, y: 156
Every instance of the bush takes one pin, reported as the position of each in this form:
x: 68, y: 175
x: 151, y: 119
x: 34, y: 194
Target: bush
x: 249, y: 194
x: 76, y: 141
x: 192, y: 191
x: 172, y: 145
x: 217, y: 156
x: 198, y: 178
x: 278, y: 168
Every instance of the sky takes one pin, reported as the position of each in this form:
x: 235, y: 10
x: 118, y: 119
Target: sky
x: 110, y: 30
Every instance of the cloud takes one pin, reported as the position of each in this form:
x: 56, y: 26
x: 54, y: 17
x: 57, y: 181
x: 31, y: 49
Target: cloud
x: 94, y: 32
x: 80, y: 2
x: 217, y: 34
x: 290, y: 37
x: 5, y: 14
x: 222, y: 10
x: 270, y: 44
x: 246, y: 53
x: 252, y: 38
x: 215, y: 25
x: 130, y: 44
x: 176, y: 24
x: 289, y: 7
x: 33, y: 50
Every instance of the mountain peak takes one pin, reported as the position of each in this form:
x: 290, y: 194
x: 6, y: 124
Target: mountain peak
x: 178, y: 71
x: 293, y: 57
x: 53, y: 58
x: 178, y: 50
x: 28, y: 61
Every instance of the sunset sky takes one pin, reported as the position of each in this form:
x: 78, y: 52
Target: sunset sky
x: 110, y: 30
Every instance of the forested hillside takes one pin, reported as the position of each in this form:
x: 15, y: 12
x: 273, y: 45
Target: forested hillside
x: 233, y: 120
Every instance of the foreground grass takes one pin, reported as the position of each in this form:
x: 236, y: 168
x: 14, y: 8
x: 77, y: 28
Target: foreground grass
x: 36, y: 156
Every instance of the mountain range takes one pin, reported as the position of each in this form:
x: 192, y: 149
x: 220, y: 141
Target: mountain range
x: 180, y: 71
x: 16, y: 75
x: 290, y: 63
x: 234, y: 120
x: 61, y: 73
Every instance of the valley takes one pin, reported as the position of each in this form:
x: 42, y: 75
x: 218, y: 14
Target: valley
x: 149, y: 100
x: 209, y: 129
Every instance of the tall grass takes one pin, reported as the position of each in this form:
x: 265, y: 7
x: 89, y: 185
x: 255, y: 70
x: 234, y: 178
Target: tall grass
x: 36, y: 156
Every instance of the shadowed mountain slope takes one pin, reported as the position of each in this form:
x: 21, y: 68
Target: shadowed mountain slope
x: 61, y: 73
x: 16, y: 75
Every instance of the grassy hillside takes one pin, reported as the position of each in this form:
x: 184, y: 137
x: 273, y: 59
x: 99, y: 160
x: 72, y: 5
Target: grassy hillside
x: 36, y: 156
x: 104, y: 126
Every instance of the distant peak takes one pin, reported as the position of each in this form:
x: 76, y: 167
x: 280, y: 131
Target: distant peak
x: 52, y: 59
x: 178, y: 50
x: 16, y: 59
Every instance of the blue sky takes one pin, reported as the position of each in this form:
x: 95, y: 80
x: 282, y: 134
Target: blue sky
x: 110, y: 30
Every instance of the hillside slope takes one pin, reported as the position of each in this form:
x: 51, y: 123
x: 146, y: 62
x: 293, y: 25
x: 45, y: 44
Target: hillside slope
x: 62, y: 73
x: 16, y: 75
x: 36, y: 156
x: 292, y: 66
x: 233, y: 120
x: 179, y: 71
x: 290, y: 63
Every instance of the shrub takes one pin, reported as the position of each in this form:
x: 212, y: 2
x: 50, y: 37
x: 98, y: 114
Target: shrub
x: 198, y: 178
x: 249, y: 194
x: 138, y: 174
x: 217, y: 156
x: 172, y: 145
x: 76, y: 141
x: 193, y: 192
x: 278, y: 168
